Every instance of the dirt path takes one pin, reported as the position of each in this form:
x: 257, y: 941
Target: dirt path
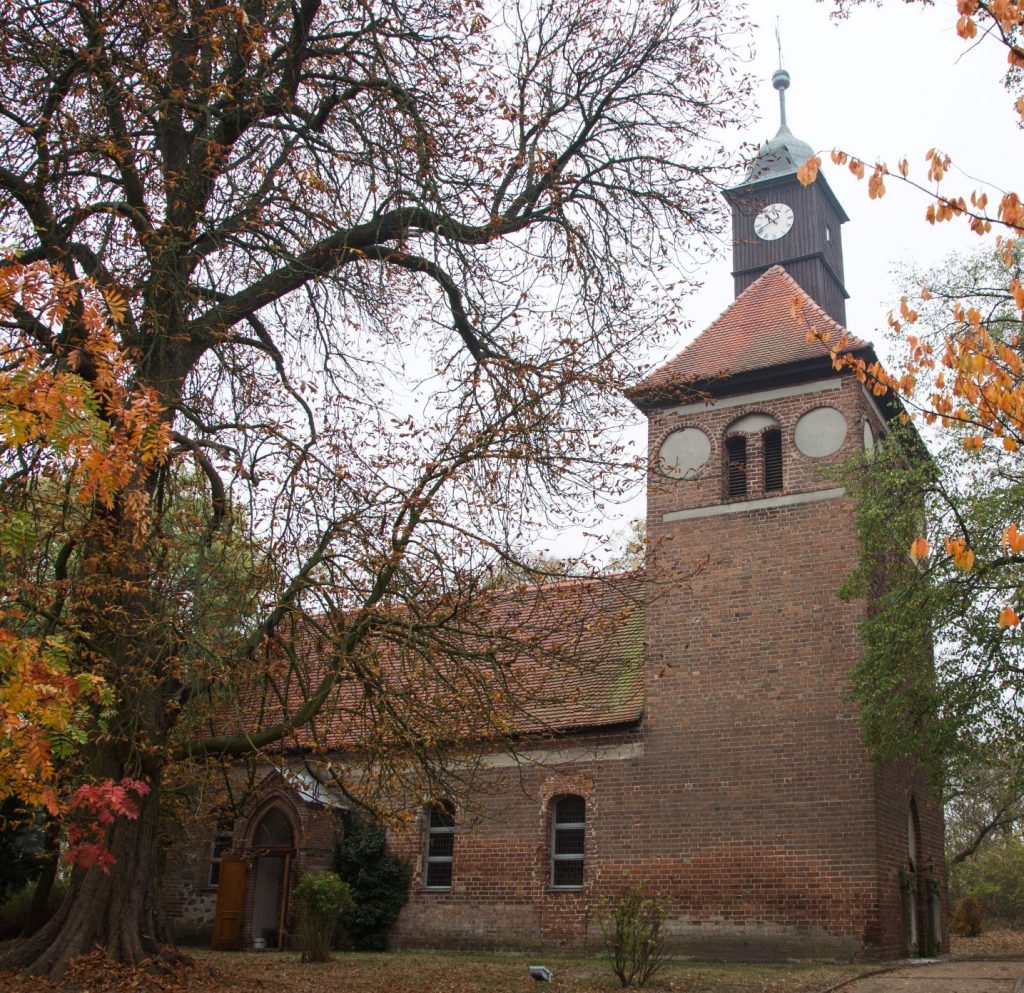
x: 946, y: 977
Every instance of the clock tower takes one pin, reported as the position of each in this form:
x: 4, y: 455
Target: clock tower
x: 786, y: 834
x: 778, y: 221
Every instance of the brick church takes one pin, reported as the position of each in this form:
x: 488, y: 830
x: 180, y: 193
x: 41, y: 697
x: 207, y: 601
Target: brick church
x: 707, y: 746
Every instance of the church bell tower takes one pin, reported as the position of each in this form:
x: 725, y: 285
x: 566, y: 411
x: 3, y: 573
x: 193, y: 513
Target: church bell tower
x: 790, y: 840
x: 778, y: 221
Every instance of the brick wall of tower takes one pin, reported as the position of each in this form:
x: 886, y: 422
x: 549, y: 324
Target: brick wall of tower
x: 748, y: 701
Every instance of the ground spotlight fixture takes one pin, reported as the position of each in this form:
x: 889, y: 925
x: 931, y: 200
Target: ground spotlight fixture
x: 541, y: 973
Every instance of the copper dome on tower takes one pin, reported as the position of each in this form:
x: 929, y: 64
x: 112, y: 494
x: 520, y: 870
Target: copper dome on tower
x: 785, y: 153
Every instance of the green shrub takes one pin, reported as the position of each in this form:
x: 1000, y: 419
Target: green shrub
x: 967, y: 917
x: 379, y: 883
x: 322, y: 898
x: 631, y: 930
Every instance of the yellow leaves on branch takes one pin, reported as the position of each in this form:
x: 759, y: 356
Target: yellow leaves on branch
x: 1012, y: 542
x: 919, y: 549
x: 963, y: 557
x: 1008, y: 618
x: 977, y: 378
x: 938, y: 164
x: 966, y: 27
x: 876, y: 184
x: 1013, y: 539
x: 808, y: 172
x: 36, y: 701
x: 116, y: 305
x: 1010, y: 212
x: 99, y: 434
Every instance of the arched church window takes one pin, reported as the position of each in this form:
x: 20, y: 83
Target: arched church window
x: 568, y: 830
x: 440, y: 846
x: 274, y: 830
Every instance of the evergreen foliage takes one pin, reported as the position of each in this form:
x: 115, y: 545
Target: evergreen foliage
x: 894, y: 680
x: 378, y: 880
x: 965, y: 709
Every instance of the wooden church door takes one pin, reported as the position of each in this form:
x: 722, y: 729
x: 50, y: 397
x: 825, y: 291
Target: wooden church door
x: 227, y: 918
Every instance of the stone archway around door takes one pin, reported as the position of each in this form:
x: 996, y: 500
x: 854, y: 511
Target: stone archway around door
x: 273, y: 849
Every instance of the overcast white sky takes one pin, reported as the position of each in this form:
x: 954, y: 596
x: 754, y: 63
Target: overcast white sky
x: 886, y: 83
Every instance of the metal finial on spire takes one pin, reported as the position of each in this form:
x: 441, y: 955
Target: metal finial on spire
x: 780, y: 80
x: 783, y: 154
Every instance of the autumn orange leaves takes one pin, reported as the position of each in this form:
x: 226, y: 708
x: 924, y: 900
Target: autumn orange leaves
x: 85, y: 435
x: 57, y: 410
x: 971, y: 381
x: 956, y: 549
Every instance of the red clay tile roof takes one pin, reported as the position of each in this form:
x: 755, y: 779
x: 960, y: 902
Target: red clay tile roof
x: 760, y: 329
x: 536, y: 660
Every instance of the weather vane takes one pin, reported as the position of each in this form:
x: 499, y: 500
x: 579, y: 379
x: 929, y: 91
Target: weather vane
x: 780, y: 78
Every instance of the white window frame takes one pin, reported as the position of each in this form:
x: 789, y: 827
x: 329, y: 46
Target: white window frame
x: 557, y: 826
x: 446, y: 810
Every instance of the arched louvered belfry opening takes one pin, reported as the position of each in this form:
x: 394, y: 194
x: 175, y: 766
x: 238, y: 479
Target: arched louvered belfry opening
x: 751, y: 440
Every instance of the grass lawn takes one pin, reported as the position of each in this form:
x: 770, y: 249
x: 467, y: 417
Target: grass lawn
x: 437, y: 972
x: 426, y: 972
x: 452, y: 972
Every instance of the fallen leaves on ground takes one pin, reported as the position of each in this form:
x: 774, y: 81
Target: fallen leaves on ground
x: 421, y: 972
x: 997, y: 943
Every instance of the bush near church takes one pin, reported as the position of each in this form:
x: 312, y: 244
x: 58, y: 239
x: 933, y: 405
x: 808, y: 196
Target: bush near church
x: 322, y: 898
x: 379, y: 883
x: 631, y: 929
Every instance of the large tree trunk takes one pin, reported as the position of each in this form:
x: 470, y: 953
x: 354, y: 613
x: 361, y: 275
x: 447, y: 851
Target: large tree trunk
x: 117, y: 911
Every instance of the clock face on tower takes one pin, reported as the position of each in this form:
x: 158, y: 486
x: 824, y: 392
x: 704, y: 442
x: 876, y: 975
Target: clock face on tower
x: 773, y: 222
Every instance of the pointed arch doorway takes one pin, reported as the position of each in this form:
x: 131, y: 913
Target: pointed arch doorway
x: 273, y: 851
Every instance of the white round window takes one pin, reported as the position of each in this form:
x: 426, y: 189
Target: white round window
x: 820, y: 432
x: 683, y: 452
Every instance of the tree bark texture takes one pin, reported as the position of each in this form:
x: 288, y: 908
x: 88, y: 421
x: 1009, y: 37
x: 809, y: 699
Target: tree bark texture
x: 118, y: 911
